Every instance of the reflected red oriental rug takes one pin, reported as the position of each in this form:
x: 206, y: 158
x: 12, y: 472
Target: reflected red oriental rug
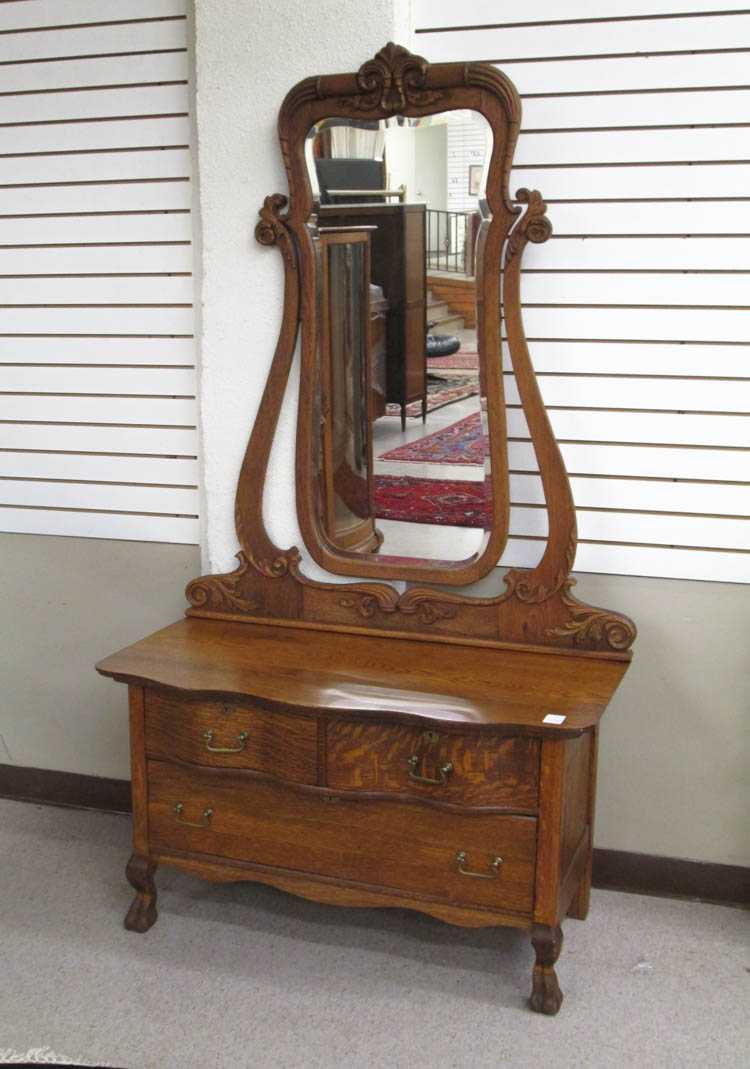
x: 440, y: 393
x: 461, y: 443
x: 463, y: 359
x: 448, y: 502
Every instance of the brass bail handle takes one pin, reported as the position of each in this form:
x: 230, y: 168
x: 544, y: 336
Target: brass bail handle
x: 202, y: 823
x: 241, y: 739
x: 493, y: 874
x: 428, y: 741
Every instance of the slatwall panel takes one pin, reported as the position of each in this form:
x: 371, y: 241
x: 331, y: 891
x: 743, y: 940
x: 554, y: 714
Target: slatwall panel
x: 97, y: 363
x: 637, y: 129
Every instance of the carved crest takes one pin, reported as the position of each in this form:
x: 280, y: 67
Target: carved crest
x: 393, y: 78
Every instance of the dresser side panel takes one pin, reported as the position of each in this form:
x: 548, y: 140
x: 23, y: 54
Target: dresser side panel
x: 138, y: 770
x: 549, y: 842
x: 575, y: 817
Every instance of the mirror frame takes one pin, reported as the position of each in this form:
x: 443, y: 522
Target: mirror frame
x: 537, y: 610
x: 399, y: 83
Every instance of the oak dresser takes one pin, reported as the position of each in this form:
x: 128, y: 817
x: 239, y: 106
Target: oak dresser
x: 381, y: 732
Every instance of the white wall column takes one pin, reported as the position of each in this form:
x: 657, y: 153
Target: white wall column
x: 247, y: 56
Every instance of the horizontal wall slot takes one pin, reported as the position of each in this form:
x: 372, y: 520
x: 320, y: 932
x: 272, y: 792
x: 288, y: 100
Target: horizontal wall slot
x: 635, y: 129
x: 97, y: 357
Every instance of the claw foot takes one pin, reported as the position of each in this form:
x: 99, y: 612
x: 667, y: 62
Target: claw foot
x: 142, y: 913
x: 546, y: 996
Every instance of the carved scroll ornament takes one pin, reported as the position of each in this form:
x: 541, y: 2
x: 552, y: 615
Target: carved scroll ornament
x: 392, y: 81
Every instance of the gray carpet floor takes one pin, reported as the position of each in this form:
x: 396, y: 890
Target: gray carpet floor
x: 243, y: 975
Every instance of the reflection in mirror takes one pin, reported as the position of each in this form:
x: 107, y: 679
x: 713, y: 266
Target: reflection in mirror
x: 346, y: 382
x: 404, y: 470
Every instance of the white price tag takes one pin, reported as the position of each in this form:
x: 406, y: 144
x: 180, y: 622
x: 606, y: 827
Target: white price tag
x: 554, y: 718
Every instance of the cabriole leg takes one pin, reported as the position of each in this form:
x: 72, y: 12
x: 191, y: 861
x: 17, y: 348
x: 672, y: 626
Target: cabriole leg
x: 142, y: 913
x: 546, y: 996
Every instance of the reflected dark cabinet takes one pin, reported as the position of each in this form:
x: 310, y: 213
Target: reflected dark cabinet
x: 346, y: 389
x: 378, y: 352
x: 398, y: 266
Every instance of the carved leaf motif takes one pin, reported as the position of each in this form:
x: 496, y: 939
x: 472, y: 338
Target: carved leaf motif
x: 533, y: 225
x: 522, y: 585
x: 430, y: 612
x: 272, y: 225
x: 595, y: 628
x: 278, y: 566
x: 222, y: 591
x: 427, y: 608
x: 386, y: 600
x: 393, y: 78
x: 372, y: 599
x: 230, y: 591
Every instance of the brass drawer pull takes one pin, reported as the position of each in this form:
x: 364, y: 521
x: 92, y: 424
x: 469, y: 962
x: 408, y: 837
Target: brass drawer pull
x: 494, y: 865
x: 241, y: 738
x: 428, y: 742
x: 202, y: 823
x: 443, y: 772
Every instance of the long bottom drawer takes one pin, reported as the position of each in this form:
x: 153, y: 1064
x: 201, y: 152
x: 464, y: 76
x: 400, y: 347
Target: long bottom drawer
x: 466, y: 859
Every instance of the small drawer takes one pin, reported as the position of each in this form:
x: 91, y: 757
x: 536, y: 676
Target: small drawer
x: 473, y: 770
x: 228, y: 735
x: 471, y: 860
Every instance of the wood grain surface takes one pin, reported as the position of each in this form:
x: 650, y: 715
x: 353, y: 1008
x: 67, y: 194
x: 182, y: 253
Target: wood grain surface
x: 389, y: 845
x: 282, y: 745
x: 474, y: 687
x: 486, y: 770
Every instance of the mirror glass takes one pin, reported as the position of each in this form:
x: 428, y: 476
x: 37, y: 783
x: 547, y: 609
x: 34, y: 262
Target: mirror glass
x: 404, y: 470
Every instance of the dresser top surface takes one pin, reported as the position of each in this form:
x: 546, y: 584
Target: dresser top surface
x: 298, y: 669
